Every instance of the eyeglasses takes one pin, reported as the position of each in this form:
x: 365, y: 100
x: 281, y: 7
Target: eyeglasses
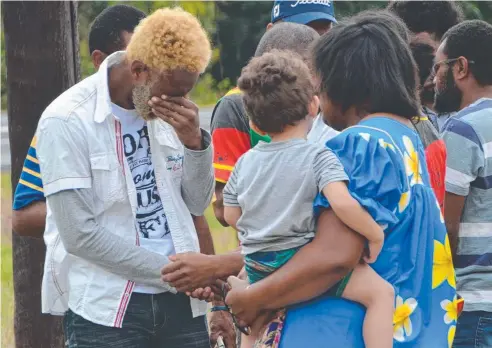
x: 436, y: 66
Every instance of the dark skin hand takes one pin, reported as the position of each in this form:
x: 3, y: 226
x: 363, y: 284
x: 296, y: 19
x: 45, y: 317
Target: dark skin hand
x: 191, y: 271
x: 182, y: 115
x: 336, y: 249
x: 30, y: 221
x: 453, y: 209
x: 219, y: 203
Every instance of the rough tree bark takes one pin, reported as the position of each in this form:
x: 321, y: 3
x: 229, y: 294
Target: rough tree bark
x: 42, y: 58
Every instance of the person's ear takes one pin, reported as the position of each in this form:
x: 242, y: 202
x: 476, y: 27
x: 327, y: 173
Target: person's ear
x: 313, y: 107
x: 256, y: 129
x: 269, y: 26
x: 140, y: 71
x: 462, y: 68
x: 97, y: 58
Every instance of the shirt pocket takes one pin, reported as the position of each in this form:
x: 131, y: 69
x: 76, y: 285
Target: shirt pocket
x: 107, y: 179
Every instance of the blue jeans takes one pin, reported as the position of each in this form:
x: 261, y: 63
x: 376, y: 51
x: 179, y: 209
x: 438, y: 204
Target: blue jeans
x: 474, y: 330
x: 151, y: 321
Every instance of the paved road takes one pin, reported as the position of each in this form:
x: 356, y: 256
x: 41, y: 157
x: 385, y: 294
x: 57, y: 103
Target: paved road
x: 205, y: 115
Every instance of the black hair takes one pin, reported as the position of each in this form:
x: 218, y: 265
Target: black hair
x: 369, y: 67
x: 433, y: 17
x: 385, y: 18
x: 472, y: 40
x: 423, y: 54
x: 105, y: 32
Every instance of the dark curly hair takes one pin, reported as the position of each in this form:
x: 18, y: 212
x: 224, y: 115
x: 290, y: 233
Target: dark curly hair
x: 277, y: 88
x: 423, y: 54
x: 472, y: 40
x: 434, y: 17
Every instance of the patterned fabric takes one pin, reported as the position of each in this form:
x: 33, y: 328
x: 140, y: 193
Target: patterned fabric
x: 258, y: 266
x: 388, y: 176
x: 30, y: 186
x: 468, y: 136
x: 231, y: 134
x: 261, y: 264
x: 273, y: 332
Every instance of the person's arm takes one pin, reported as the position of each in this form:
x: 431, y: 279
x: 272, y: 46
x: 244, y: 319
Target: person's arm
x: 198, y: 182
x: 197, y: 185
x: 232, y: 209
x: 465, y: 158
x: 204, y: 235
x: 351, y: 212
x: 83, y: 237
x: 30, y: 221
x: 318, y: 266
x: 452, y: 216
x: 29, y: 207
x: 232, y: 215
x: 192, y: 271
x: 230, y: 139
x: 332, y: 181
x: 218, y: 204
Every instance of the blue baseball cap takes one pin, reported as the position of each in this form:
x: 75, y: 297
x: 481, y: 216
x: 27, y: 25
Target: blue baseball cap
x: 303, y: 11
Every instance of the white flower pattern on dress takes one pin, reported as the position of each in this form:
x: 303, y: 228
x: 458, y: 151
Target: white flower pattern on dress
x: 402, y: 324
x: 412, y: 162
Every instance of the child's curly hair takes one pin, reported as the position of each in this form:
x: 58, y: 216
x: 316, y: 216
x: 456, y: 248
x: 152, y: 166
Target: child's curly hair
x: 277, y: 89
x: 170, y: 39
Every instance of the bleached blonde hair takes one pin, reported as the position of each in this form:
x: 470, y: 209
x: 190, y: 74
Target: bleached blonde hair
x: 169, y: 39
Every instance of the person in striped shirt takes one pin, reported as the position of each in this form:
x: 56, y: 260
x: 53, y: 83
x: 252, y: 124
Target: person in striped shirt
x: 463, y: 79
x: 110, y: 32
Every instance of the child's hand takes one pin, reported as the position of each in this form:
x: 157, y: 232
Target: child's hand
x: 375, y: 247
x: 202, y: 294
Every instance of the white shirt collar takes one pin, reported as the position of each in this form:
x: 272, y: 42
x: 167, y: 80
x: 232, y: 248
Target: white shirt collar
x: 103, y: 102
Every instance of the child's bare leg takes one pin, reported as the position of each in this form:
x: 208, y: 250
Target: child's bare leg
x: 377, y: 295
x: 248, y: 341
x: 257, y: 330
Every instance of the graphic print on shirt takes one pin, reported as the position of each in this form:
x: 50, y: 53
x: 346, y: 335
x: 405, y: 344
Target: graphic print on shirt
x: 151, y: 218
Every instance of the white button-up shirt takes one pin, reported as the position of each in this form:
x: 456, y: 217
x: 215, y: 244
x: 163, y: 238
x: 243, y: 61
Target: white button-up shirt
x: 80, y: 147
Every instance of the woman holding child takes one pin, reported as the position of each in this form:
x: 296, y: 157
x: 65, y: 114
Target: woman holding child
x: 367, y: 81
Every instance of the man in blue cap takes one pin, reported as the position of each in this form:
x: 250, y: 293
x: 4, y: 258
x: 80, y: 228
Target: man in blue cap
x: 318, y: 14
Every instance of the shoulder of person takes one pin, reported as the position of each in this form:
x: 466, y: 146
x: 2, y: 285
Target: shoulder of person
x: 229, y: 110
x: 75, y: 104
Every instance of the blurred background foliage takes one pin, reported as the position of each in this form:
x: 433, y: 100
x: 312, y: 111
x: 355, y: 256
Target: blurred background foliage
x: 235, y: 27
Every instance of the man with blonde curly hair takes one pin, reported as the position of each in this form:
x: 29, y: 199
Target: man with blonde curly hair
x: 124, y: 164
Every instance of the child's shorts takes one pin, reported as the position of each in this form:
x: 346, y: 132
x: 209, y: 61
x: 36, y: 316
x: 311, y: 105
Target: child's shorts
x: 261, y: 264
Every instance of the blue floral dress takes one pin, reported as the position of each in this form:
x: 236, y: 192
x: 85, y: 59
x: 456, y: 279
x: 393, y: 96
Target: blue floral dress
x: 385, y: 162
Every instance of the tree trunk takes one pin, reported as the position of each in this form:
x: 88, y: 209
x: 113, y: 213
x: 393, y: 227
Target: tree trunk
x: 42, y: 61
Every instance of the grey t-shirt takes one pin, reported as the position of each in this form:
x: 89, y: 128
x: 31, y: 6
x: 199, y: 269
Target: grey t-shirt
x: 275, y: 185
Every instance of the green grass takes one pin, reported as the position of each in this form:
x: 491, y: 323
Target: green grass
x: 224, y: 240
x: 7, y: 299
x: 6, y: 282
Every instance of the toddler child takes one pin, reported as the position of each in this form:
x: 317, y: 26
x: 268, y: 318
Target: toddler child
x: 269, y: 196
